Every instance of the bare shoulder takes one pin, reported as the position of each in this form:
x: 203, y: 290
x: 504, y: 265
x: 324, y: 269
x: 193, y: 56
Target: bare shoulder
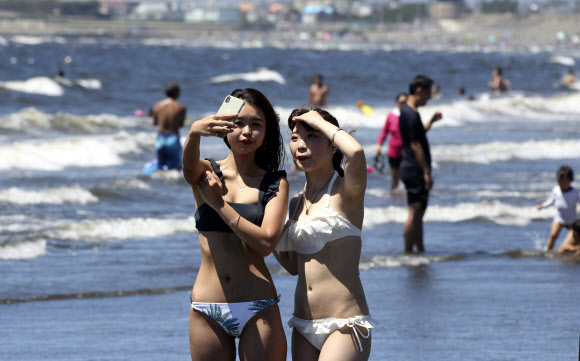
x: 161, y: 103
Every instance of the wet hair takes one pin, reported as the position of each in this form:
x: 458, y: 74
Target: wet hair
x: 565, y: 172
x: 271, y: 154
x: 498, y: 70
x: 338, y: 156
x: 401, y: 95
x: 420, y: 81
x: 172, y: 90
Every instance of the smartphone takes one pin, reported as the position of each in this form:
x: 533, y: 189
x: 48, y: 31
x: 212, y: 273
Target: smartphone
x: 231, y: 105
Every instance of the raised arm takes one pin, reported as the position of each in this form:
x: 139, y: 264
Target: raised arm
x: 263, y: 239
x: 214, y: 125
x: 355, y: 169
x: 437, y: 116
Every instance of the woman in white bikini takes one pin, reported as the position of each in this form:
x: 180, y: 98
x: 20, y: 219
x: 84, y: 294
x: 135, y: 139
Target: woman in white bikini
x: 241, y: 206
x: 321, y: 242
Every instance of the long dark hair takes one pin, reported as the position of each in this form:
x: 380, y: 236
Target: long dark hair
x: 271, y: 154
x: 338, y: 156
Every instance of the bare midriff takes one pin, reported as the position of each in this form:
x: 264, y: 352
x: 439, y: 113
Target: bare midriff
x: 230, y: 271
x: 329, y: 284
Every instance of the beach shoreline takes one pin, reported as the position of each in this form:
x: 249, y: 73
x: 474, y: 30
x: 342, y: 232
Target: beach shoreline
x: 503, y: 32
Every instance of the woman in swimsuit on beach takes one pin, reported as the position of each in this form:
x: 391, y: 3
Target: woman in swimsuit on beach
x: 321, y: 242
x: 241, y: 206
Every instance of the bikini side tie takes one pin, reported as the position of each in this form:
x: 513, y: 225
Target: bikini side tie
x: 355, y: 324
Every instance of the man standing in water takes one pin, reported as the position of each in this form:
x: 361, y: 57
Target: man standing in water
x: 318, y: 94
x: 169, y: 115
x: 415, y: 170
x: 498, y: 83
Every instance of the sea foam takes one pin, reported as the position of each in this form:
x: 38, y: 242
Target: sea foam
x: 38, y: 85
x: 75, y: 194
x: 120, y: 229
x: 25, y: 250
x: 261, y: 74
x: 72, y: 152
x: 485, y: 211
x: 33, y: 120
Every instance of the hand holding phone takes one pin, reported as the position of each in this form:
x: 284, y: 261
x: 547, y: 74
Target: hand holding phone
x: 231, y: 105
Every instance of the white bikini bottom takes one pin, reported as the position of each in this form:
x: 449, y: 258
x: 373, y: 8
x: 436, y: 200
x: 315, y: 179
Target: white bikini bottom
x: 317, y: 331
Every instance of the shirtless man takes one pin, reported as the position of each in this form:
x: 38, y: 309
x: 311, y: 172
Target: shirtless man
x: 168, y: 115
x: 499, y: 84
x: 318, y: 94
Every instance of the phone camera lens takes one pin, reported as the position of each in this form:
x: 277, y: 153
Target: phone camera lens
x: 227, y: 99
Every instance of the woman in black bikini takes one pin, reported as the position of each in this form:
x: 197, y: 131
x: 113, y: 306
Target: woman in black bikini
x: 241, y: 206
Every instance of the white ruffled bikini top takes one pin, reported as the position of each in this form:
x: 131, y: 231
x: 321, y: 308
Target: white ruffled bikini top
x: 311, y: 234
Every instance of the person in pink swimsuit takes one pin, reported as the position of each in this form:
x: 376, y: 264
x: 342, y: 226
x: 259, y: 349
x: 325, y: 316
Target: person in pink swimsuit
x: 395, y: 152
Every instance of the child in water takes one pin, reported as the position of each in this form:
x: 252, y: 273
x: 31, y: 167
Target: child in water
x: 564, y: 197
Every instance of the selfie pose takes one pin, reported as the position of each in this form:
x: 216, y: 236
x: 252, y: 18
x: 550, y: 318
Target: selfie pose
x: 241, y: 203
x: 321, y: 242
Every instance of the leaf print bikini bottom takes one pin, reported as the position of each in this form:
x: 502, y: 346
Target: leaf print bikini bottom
x: 233, y: 316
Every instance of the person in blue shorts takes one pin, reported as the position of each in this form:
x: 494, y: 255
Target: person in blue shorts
x: 169, y: 115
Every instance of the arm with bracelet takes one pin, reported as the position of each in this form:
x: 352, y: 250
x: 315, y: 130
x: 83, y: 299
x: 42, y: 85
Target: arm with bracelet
x: 262, y: 239
x: 355, y: 167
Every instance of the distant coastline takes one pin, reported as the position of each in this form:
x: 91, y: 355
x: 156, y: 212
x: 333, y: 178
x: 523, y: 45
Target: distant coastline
x: 501, y: 32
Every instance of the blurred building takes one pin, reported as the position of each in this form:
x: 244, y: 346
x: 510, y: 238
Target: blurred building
x: 156, y: 10
x: 116, y: 9
x: 447, y: 9
x: 214, y: 15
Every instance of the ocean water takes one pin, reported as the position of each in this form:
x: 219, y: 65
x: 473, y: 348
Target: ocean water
x: 97, y: 258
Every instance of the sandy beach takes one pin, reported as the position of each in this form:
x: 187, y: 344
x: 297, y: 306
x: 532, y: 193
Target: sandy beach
x: 502, y: 31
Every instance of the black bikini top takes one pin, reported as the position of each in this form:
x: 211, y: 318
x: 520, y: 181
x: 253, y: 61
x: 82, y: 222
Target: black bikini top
x: 207, y: 219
